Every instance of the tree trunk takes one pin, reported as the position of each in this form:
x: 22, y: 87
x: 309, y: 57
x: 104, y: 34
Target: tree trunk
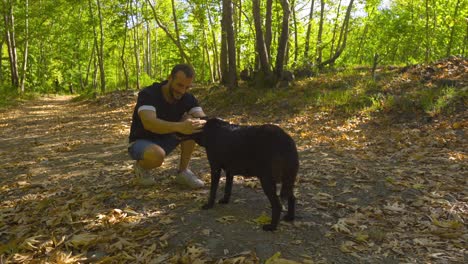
x: 428, y: 38
x: 334, y: 29
x: 26, y: 48
x: 136, y: 45
x: 296, y: 37
x: 283, y: 41
x: 101, y: 49
x: 1, y: 59
x: 309, y: 29
x: 231, y: 79
x: 452, y: 31
x: 319, y: 35
x: 268, y: 29
x: 342, y: 39
x: 223, y: 56
x: 264, y: 77
x: 176, y: 29
x: 124, y: 45
x: 216, y: 66
x: 11, y: 42
x: 182, y: 53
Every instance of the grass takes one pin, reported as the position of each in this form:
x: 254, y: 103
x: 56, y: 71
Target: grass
x: 11, y: 98
x: 347, y: 93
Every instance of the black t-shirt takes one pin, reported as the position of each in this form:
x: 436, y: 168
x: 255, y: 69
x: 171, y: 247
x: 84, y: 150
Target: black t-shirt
x: 151, y: 98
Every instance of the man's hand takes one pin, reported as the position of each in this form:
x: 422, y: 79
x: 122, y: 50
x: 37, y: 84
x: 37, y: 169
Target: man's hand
x: 191, y: 126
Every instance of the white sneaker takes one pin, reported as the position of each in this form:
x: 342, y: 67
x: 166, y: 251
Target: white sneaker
x: 142, y: 176
x: 188, y: 178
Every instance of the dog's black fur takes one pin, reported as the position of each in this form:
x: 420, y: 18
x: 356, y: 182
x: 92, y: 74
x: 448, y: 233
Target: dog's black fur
x: 265, y: 151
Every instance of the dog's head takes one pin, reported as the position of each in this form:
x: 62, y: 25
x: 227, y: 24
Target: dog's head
x: 201, y: 137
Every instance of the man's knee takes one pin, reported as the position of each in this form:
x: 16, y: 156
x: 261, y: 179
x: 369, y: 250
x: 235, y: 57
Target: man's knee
x: 153, y: 156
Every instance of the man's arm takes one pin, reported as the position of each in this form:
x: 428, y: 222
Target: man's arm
x: 152, y: 123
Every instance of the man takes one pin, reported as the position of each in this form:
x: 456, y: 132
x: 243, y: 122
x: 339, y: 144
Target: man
x: 163, y: 109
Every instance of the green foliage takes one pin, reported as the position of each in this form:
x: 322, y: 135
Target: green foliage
x: 62, y: 45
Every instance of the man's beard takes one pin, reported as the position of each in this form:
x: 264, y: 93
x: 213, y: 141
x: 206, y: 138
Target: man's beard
x: 173, y: 95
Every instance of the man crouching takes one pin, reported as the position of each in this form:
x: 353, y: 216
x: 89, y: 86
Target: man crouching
x: 163, y: 109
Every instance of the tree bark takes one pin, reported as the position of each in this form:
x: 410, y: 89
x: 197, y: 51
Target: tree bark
x: 309, y: 29
x: 283, y: 41
x: 319, y: 35
x: 296, y: 37
x: 101, y: 49
x: 260, y: 42
x: 268, y: 29
x: 428, y: 38
x: 342, y: 39
x: 182, y: 53
x: 334, y: 28
x: 176, y: 28
x: 216, y: 63
x: 26, y: 48
x: 231, y: 77
x: 124, y: 45
x: 136, y: 50
x: 11, y: 42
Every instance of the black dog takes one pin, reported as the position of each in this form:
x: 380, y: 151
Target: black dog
x: 265, y: 151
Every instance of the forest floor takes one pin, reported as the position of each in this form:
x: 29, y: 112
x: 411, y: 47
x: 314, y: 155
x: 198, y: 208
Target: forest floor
x: 370, y: 190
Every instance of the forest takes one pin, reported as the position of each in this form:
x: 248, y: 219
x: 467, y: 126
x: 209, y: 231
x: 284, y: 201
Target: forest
x: 99, y: 46
x: 374, y: 94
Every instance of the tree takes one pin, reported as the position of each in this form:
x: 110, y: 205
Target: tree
x: 261, y: 49
x: 341, y: 40
x: 9, y: 20
x: 231, y: 74
x: 283, y: 41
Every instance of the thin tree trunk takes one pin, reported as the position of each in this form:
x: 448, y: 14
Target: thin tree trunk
x: 308, y: 33
x: 452, y: 31
x: 217, y: 68
x: 342, y: 39
x: 101, y: 49
x: 176, y: 28
x: 223, y: 56
x: 319, y: 35
x: 26, y: 48
x: 1, y: 59
x: 268, y: 29
x: 283, y: 41
x: 122, y: 54
x: 182, y: 53
x: 11, y: 43
x: 260, y: 42
x: 206, y: 50
x: 334, y: 29
x: 296, y: 37
x: 148, y: 66
x: 231, y: 80
x: 136, y: 45
x: 428, y: 38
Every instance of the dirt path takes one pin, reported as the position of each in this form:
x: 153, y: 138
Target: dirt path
x: 367, y: 194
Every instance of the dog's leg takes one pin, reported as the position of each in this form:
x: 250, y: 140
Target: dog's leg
x: 227, y: 188
x: 291, y: 209
x: 269, y: 187
x: 215, y: 174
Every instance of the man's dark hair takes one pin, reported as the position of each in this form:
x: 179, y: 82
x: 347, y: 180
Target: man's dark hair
x: 185, y: 68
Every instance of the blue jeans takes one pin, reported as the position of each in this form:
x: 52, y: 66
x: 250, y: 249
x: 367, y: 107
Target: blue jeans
x: 167, y: 142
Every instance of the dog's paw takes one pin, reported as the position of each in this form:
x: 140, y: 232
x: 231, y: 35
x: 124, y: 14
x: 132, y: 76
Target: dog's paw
x: 269, y: 227
x: 207, y: 206
x: 223, y: 201
x: 288, y: 218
